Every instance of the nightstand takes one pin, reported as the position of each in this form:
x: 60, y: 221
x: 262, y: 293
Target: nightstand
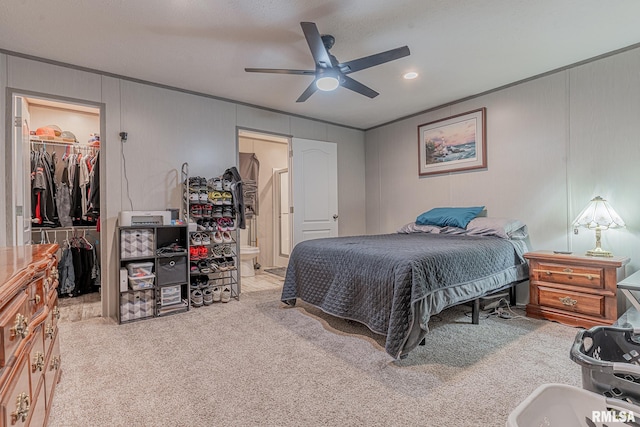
x: 574, y: 290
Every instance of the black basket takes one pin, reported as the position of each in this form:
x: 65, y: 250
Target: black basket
x: 610, y: 360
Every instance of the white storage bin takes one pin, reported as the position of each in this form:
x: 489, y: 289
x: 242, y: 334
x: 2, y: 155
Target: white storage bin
x: 139, y: 269
x: 561, y: 405
x: 143, y: 282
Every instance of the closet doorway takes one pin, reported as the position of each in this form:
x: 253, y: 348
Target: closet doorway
x: 55, y: 192
x: 263, y: 164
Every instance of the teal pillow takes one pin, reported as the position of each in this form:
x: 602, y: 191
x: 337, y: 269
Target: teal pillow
x: 449, y: 217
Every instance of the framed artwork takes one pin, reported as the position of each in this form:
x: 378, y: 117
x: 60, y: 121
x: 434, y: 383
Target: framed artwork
x: 454, y: 144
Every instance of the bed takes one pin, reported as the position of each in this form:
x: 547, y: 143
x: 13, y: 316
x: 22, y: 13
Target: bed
x: 393, y: 283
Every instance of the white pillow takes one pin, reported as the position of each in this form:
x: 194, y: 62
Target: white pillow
x: 500, y: 227
x: 412, y: 227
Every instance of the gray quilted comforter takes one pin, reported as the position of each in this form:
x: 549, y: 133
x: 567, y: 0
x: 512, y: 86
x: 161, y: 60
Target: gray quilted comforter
x: 393, y: 283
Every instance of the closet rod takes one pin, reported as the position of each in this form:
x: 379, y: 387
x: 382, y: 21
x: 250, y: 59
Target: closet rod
x: 63, y: 144
x: 72, y: 228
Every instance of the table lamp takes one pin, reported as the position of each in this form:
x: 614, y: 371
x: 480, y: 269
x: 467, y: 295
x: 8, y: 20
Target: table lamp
x: 598, y: 215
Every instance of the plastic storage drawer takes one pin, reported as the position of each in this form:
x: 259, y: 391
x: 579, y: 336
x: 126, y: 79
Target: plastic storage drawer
x: 138, y: 269
x: 170, y: 295
x: 563, y: 405
x: 142, y: 282
x: 610, y: 358
x: 172, y: 270
x: 136, y: 305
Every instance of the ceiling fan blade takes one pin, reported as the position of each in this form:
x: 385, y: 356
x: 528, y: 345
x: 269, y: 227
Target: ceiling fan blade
x: 373, y: 60
x: 319, y: 52
x: 280, y: 71
x: 356, y: 86
x: 308, y: 92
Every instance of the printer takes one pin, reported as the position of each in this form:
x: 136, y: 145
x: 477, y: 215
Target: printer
x: 137, y: 218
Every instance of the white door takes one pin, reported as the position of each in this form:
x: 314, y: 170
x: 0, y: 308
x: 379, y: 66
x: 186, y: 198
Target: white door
x: 314, y: 169
x: 21, y: 171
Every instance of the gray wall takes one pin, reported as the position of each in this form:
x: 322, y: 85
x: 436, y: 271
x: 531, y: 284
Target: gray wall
x: 552, y: 143
x: 166, y: 128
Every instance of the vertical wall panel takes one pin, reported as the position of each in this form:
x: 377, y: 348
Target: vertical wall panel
x: 34, y: 76
x: 263, y: 120
x: 351, y: 179
x: 309, y: 129
x: 604, y: 147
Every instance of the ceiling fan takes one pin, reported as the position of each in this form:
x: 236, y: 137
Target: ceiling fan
x: 329, y: 73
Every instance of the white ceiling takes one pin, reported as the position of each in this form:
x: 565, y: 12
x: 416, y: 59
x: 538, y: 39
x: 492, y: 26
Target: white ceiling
x: 460, y: 48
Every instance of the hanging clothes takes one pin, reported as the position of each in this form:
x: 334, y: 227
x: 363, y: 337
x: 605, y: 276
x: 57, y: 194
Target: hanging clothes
x: 249, y: 172
x: 43, y: 189
x: 233, y: 176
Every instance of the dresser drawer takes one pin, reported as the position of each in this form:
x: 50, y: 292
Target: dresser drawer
x: 14, y: 326
x: 17, y: 400
x: 584, y: 277
x: 574, y: 302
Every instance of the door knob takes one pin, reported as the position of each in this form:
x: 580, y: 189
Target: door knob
x: 335, y: 217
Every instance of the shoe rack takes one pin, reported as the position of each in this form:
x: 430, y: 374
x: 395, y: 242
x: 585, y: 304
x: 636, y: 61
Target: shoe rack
x: 208, y: 208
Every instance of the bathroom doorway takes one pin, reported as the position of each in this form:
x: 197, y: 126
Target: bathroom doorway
x: 263, y: 163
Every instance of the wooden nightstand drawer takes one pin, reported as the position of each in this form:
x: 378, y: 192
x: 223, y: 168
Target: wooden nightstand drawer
x: 576, y: 290
x: 584, y: 277
x: 574, y: 302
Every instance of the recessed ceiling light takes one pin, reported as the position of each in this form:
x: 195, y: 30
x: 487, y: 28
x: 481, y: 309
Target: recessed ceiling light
x: 410, y: 75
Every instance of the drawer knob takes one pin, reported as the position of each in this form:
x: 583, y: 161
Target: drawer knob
x: 54, y: 272
x: 56, y: 312
x: 20, y: 328
x: 23, y: 402
x: 38, y: 362
x: 36, y: 299
x: 48, y: 330
x: 55, y: 363
x: 568, y: 270
x: 568, y: 301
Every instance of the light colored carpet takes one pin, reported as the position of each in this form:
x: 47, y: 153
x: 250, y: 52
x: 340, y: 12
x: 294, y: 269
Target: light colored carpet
x: 255, y: 362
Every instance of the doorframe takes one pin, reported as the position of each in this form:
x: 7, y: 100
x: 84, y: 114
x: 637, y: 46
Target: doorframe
x: 105, y: 291
x: 278, y: 257
x: 266, y: 135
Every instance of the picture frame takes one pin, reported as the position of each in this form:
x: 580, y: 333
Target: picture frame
x: 453, y: 144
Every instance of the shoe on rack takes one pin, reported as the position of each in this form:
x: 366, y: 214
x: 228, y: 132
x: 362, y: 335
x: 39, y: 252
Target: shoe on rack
x: 203, y: 195
x: 217, y: 251
x: 231, y: 224
x: 207, y: 211
x: 196, y: 239
x: 195, y: 211
x: 196, y: 298
x: 216, y: 293
x: 207, y: 296
x: 204, y: 267
x: 194, y: 253
x: 227, y: 198
x: 194, y: 268
x: 226, y: 237
x: 226, y: 185
x: 205, y: 238
x: 217, y: 237
x: 222, y: 225
x: 217, y: 212
x: 225, y: 295
x: 227, y: 251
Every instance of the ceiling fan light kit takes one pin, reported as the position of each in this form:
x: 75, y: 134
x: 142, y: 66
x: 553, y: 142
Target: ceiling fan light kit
x: 330, y: 73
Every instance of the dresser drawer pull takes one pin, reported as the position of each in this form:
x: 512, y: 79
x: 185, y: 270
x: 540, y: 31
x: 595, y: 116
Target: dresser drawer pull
x: 55, y: 363
x: 568, y: 272
x: 23, y: 402
x: 48, y: 330
x: 38, y: 362
x: 20, y: 328
x: 54, y: 272
x: 568, y: 301
x: 56, y: 312
x: 36, y: 299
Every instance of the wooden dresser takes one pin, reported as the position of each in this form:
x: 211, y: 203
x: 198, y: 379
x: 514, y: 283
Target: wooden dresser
x: 573, y: 289
x: 30, y: 349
